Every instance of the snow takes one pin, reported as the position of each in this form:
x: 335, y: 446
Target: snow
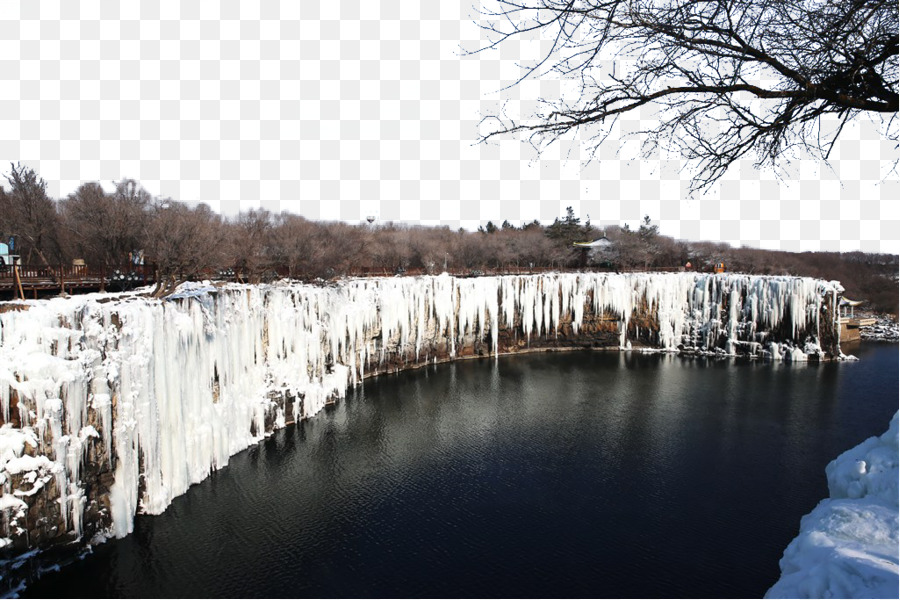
x: 191, y: 289
x: 12, y: 442
x: 884, y: 329
x: 22, y: 464
x: 848, y: 544
x: 172, y: 388
x: 8, y: 501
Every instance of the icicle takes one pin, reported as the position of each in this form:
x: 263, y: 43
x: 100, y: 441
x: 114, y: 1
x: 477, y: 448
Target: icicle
x: 191, y: 378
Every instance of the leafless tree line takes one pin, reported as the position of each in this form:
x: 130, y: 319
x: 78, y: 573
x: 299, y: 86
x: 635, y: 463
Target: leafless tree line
x: 181, y: 243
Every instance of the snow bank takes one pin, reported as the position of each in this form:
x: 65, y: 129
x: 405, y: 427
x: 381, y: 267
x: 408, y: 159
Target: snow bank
x: 884, y: 329
x: 848, y: 544
x: 165, y: 391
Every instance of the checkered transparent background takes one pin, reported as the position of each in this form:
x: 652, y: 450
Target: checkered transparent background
x: 344, y: 109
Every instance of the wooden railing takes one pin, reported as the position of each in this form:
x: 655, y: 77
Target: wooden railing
x: 66, y: 278
x: 70, y: 272
x: 29, y: 272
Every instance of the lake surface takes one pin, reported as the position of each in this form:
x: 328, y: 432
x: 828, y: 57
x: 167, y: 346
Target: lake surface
x: 553, y: 475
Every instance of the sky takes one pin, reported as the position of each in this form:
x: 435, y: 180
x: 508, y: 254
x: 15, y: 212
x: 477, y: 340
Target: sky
x: 340, y: 110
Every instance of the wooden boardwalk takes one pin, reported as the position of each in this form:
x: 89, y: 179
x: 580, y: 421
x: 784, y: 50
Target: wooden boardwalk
x: 40, y: 281
x: 850, y: 327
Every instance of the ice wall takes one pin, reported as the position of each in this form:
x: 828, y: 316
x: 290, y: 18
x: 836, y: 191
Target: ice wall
x: 113, y: 405
x: 848, y: 544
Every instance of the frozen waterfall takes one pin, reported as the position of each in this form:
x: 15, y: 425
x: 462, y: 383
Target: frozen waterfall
x: 114, y: 405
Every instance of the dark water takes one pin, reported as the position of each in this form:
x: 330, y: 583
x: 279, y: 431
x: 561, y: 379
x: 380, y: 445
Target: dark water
x: 552, y: 475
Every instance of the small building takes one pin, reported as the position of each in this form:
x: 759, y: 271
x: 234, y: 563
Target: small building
x: 591, y: 251
x: 849, y: 323
x: 6, y: 257
x: 601, y: 243
x: 847, y: 306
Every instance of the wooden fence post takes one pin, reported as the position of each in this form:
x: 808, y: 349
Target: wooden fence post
x: 18, y: 280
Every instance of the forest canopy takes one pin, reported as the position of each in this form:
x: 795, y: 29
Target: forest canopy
x: 179, y: 242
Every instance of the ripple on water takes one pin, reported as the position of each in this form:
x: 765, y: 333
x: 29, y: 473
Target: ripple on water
x: 554, y: 475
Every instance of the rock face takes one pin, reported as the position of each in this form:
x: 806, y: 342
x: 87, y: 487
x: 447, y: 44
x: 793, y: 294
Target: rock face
x: 114, y: 405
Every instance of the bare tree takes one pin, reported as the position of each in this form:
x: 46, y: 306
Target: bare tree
x: 27, y: 213
x: 106, y: 228
x: 251, y: 244
x: 440, y: 248
x: 731, y: 77
x: 184, y: 243
x: 390, y: 247
x: 342, y: 246
x: 533, y: 248
x: 469, y: 250
x: 297, y: 244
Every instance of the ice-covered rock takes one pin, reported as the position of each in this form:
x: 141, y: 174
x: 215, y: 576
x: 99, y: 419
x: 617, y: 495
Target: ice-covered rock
x: 142, y: 398
x: 848, y: 544
x: 884, y: 329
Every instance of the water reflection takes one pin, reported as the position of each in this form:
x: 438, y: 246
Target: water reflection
x: 563, y: 475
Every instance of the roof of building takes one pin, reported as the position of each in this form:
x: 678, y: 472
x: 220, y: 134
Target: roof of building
x: 598, y: 243
x: 848, y: 302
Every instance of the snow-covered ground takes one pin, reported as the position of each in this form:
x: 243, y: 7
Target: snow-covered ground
x: 848, y: 544
x: 885, y: 329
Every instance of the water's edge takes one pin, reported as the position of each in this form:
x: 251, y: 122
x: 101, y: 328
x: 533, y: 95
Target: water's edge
x: 95, y: 429
x: 849, y: 545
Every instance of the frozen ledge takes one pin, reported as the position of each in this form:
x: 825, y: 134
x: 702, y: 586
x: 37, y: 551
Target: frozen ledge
x: 132, y: 400
x: 848, y: 544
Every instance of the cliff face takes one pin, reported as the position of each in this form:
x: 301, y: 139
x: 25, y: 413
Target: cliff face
x: 111, y: 406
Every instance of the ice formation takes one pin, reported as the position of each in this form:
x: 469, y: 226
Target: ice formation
x: 160, y: 393
x: 848, y: 544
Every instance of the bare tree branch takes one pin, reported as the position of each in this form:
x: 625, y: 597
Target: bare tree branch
x: 731, y: 78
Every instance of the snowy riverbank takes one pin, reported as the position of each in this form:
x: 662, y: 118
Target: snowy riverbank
x: 885, y: 329
x: 848, y: 544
